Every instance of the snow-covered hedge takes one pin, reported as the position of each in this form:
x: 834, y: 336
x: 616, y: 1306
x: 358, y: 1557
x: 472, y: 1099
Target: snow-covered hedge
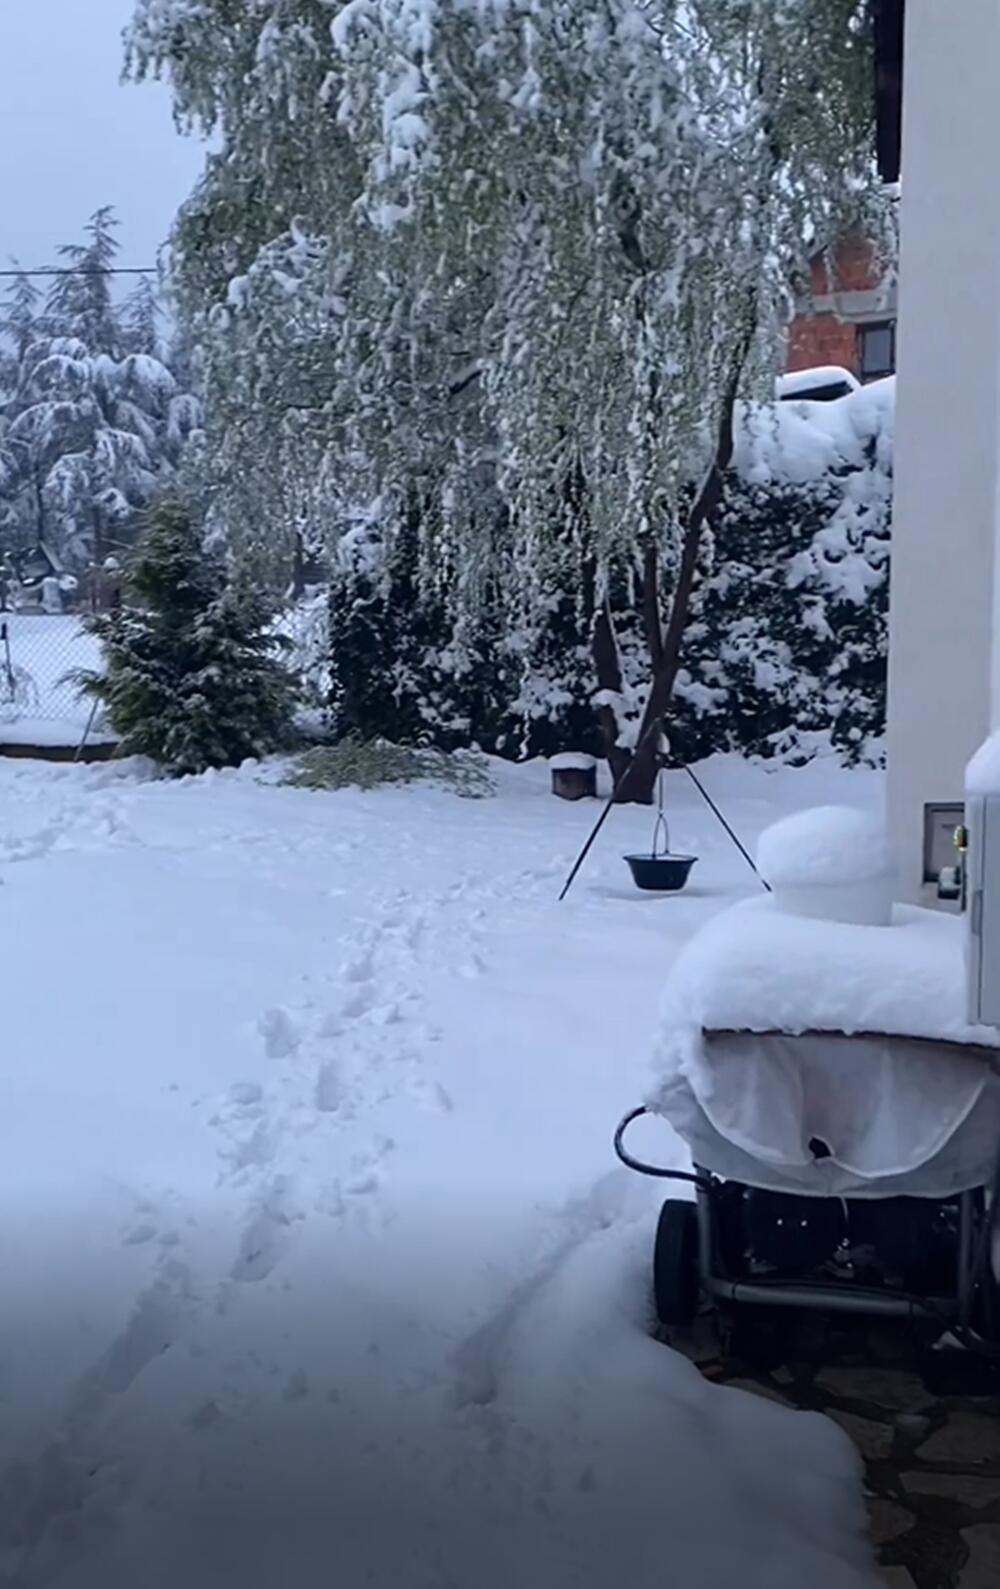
x: 785, y: 653
x: 788, y: 648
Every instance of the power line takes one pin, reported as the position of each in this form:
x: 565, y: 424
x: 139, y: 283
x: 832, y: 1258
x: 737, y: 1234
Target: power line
x: 86, y: 270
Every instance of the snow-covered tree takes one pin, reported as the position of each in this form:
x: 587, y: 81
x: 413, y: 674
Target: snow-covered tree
x: 140, y: 321
x: 81, y: 303
x: 92, y: 419
x: 21, y: 474
x: 193, y: 676
x: 788, y: 644
x: 511, y: 261
x: 785, y: 653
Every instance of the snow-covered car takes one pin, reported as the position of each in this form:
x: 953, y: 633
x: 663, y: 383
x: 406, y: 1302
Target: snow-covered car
x: 822, y: 384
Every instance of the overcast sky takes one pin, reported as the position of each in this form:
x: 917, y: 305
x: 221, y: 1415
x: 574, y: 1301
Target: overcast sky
x: 72, y: 139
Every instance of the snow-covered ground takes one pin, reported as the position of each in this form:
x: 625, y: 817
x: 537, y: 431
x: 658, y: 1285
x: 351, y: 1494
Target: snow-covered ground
x: 317, y: 1267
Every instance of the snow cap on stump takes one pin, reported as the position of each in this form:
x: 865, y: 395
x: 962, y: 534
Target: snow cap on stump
x: 833, y: 863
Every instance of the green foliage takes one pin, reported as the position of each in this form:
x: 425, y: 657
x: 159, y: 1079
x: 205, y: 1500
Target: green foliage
x: 785, y: 653
x: 356, y: 763
x: 400, y: 668
x: 192, y: 676
x: 485, y: 247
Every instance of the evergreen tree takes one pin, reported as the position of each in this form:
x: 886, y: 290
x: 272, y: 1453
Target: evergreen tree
x: 399, y: 670
x: 17, y: 327
x: 193, y: 678
x: 81, y: 303
x: 785, y: 654
x: 140, y: 321
x: 21, y: 474
x: 92, y: 419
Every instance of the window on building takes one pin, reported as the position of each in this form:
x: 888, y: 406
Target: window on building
x: 878, y: 350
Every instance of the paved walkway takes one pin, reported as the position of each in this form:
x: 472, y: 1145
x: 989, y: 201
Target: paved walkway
x: 926, y: 1424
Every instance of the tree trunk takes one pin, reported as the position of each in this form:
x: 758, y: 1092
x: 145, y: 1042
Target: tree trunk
x: 637, y: 783
x: 607, y: 665
x: 298, y: 569
x: 643, y: 764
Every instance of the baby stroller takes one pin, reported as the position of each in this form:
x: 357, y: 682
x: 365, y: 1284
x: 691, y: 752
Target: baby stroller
x: 842, y: 1118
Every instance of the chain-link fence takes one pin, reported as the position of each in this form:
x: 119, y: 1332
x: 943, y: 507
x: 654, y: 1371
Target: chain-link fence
x: 38, y: 654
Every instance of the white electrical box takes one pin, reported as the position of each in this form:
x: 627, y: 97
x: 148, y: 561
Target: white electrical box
x: 982, y: 819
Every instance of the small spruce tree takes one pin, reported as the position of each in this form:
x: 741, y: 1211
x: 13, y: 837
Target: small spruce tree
x: 193, y: 676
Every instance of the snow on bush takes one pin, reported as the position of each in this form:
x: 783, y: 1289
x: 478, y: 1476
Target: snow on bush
x: 354, y: 764
x: 787, y: 651
x: 784, y: 656
x: 306, y: 628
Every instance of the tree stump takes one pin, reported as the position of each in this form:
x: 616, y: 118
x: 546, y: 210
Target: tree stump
x: 574, y: 777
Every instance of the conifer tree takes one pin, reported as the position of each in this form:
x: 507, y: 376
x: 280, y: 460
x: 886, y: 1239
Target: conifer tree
x: 93, y: 419
x: 193, y: 676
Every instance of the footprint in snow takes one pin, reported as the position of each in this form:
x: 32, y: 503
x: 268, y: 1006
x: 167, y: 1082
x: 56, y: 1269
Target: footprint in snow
x: 386, y: 1014
x: 359, y: 969
x: 150, y: 1331
x: 251, y: 1152
x: 137, y: 1235
x: 261, y: 1248
x: 360, y: 1002
x: 281, y: 1034
x: 31, y: 848
x: 297, y: 1386
x: 266, y: 1236
x: 331, y: 1088
x: 62, y: 1504
x: 244, y: 1093
x: 434, y: 1098
x: 368, y: 1175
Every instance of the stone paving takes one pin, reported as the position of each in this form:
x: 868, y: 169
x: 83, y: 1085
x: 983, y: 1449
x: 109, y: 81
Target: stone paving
x: 927, y: 1425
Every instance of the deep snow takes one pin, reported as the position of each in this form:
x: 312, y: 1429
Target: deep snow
x: 317, y: 1265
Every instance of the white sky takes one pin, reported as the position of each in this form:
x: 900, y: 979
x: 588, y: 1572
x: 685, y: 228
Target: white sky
x: 72, y: 139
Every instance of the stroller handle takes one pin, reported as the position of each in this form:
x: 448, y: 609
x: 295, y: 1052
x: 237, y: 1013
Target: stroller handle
x: 701, y: 1181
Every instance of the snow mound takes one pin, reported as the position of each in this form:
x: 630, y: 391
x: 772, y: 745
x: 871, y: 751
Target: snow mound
x: 832, y: 863
x: 982, y: 776
x: 757, y: 968
x: 802, y: 441
x: 828, y: 844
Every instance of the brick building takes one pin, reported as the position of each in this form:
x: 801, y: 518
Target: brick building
x: 847, y: 320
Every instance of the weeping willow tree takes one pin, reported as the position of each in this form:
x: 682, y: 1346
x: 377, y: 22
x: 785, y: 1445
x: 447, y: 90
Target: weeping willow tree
x: 503, y: 268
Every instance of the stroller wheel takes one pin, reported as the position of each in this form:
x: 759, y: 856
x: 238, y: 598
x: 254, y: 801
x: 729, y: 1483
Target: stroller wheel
x: 675, y: 1264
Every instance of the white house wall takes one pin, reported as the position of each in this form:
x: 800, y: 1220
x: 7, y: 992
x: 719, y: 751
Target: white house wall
x: 946, y: 508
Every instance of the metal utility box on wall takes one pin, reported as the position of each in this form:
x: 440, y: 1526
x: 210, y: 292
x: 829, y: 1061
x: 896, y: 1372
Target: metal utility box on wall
x: 940, y: 821
x: 983, y: 909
